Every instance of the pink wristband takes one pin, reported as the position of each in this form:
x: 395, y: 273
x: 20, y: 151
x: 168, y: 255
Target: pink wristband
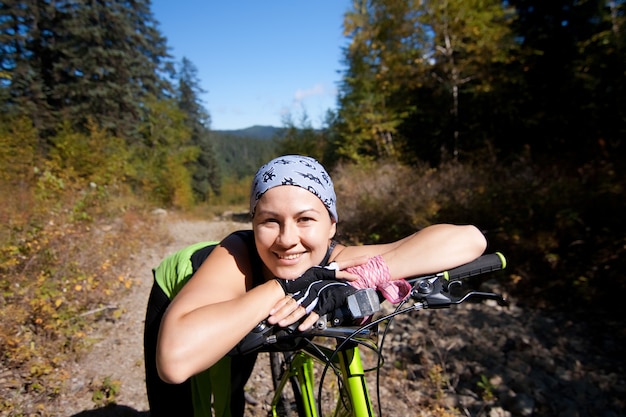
x: 375, y: 274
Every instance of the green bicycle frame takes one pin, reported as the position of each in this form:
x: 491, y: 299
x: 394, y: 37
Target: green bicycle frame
x: 354, y: 399
x: 353, y: 374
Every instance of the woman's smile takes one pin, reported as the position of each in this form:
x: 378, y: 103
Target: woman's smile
x: 290, y: 257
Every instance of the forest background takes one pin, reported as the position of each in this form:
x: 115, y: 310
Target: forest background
x: 508, y: 115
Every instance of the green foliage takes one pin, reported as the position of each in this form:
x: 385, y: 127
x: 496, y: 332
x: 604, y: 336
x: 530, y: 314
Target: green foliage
x: 160, y: 162
x: 487, y: 389
x: 399, y: 48
x: 431, y: 80
x: 469, y: 40
x: 61, y: 261
x: 382, y: 58
x: 95, y: 157
x: 240, y: 156
x: 206, y: 178
x: 18, y: 150
x: 236, y: 193
x: 105, y: 393
x: 301, y: 139
x: 573, y: 62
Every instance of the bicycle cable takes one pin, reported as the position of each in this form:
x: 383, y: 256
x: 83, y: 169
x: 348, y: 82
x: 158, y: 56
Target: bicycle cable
x: 377, y: 350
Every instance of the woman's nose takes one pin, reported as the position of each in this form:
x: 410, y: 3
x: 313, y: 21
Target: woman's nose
x: 288, y: 234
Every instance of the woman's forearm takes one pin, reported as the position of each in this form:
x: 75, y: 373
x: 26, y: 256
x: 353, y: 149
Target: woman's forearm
x: 434, y: 249
x: 194, y: 341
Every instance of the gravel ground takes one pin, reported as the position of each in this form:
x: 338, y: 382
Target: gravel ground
x: 472, y: 360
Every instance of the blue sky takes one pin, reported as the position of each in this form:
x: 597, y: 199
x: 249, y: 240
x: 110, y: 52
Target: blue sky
x: 259, y: 60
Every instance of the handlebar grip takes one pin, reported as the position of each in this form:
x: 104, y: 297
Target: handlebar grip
x: 485, y: 263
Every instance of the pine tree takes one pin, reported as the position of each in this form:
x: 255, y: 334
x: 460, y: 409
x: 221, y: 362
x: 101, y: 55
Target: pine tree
x: 82, y: 59
x: 111, y: 58
x: 25, y: 59
x: 205, y: 170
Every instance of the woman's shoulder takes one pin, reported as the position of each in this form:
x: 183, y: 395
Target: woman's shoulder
x: 241, y: 237
x: 245, y: 235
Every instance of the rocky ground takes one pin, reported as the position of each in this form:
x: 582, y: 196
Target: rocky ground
x: 473, y: 360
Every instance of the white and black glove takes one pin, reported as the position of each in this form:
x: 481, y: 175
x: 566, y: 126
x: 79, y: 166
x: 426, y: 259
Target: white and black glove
x: 318, y: 290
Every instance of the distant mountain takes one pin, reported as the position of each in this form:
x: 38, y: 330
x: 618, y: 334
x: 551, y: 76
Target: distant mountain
x: 241, y: 152
x: 255, y: 132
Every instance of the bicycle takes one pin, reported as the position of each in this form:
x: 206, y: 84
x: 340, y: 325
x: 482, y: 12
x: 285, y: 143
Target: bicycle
x: 293, y: 354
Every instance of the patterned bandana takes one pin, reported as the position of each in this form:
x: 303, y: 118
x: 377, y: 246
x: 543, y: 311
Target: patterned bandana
x: 301, y: 171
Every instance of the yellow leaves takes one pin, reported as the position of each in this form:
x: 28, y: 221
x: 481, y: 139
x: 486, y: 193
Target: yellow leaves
x: 117, y: 314
x: 515, y: 278
x: 126, y: 282
x: 54, y: 268
x: 106, y: 265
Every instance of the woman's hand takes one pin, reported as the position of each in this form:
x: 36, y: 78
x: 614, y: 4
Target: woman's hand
x: 316, y: 292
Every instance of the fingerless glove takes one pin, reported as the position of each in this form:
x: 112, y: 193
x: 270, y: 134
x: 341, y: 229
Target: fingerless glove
x: 318, y: 290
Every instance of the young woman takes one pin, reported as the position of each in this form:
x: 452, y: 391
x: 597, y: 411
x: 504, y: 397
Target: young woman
x: 263, y: 274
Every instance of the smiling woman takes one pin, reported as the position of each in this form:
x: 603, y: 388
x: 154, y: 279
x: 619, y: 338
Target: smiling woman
x: 294, y: 210
x: 208, y: 297
x: 292, y: 229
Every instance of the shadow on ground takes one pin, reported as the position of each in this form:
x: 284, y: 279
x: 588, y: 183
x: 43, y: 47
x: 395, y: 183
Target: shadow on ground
x: 113, y: 410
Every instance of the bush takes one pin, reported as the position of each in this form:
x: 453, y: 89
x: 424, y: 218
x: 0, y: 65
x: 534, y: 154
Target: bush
x: 62, y: 261
x: 560, y: 227
x: 383, y: 201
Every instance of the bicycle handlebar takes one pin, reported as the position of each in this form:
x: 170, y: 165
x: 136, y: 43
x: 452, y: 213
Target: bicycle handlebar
x: 481, y: 265
x: 484, y: 264
x: 435, y: 291
x: 428, y: 291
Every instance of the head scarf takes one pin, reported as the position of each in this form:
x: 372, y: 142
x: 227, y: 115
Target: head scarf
x: 301, y: 171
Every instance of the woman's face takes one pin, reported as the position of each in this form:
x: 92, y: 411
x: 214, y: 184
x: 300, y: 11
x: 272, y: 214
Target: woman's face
x: 292, y: 230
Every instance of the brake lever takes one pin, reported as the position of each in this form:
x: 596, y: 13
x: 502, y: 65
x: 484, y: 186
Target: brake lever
x: 435, y: 293
x: 431, y: 292
x: 483, y: 296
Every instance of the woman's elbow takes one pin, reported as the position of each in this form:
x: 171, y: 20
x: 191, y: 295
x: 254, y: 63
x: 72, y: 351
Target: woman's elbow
x: 169, y: 372
x: 172, y: 361
x: 176, y: 364
x: 477, y: 239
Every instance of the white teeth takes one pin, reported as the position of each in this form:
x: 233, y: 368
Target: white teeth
x: 289, y: 257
